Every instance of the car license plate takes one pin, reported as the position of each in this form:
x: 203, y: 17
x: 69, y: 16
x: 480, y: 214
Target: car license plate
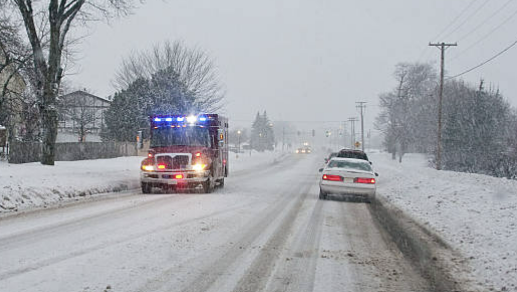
x: 349, y: 179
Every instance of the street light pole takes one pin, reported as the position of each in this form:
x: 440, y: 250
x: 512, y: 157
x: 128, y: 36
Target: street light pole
x: 239, y: 147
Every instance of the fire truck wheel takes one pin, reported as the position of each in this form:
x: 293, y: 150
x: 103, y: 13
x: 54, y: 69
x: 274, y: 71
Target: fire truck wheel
x: 221, y: 183
x: 146, y: 188
x: 208, y: 186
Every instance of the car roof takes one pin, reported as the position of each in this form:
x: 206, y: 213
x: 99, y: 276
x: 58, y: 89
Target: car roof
x: 350, y: 159
x: 351, y: 150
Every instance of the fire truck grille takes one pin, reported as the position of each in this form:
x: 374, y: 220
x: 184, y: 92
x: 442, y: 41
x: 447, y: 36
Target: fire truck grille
x: 180, y: 161
x: 176, y: 162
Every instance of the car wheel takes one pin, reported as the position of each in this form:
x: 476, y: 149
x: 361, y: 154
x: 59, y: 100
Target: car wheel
x: 208, y: 186
x: 146, y: 188
x: 323, y: 195
x: 221, y: 183
x: 371, y: 199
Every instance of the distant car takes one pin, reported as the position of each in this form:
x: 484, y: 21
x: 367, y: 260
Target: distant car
x: 352, y: 153
x: 348, y: 176
x: 303, y: 150
x: 331, y: 155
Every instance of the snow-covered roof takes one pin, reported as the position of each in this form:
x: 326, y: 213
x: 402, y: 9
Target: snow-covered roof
x: 84, y: 93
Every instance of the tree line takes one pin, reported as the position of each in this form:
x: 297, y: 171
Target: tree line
x: 169, y: 79
x: 479, y: 127
x: 33, y: 60
x: 35, y: 49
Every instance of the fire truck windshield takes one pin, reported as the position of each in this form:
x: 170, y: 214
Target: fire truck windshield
x: 191, y: 136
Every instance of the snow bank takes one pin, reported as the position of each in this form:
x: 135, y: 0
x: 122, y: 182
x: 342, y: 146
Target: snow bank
x: 475, y: 214
x: 32, y: 185
x: 29, y: 185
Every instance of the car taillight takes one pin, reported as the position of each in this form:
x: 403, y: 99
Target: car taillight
x: 332, y: 177
x: 178, y: 176
x: 364, y: 180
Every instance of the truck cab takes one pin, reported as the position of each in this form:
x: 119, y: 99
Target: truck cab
x: 186, y: 152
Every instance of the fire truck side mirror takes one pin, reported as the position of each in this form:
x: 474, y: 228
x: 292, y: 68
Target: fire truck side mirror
x: 139, y: 138
x: 220, y: 135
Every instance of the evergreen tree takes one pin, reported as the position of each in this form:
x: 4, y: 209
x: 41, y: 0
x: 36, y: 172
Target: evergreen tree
x: 169, y: 95
x: 128, y: 113
x: 262, y: 136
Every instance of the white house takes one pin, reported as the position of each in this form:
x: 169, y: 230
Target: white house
x: 81, y: 116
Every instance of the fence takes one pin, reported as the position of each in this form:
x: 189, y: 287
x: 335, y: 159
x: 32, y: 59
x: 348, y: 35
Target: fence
x: 23, y: 152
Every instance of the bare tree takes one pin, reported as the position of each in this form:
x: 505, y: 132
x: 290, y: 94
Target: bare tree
x: 194, y: 68
x: 401, y: 109
x: 16, y: 103
x: 47, y: 24
x: 82, y: 112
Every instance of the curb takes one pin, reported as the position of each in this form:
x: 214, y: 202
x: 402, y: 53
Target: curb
x: 435, y: 260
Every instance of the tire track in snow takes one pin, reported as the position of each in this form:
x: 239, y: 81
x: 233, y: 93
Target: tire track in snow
x: 283, y: 209
x: 104, y: 245
x: 297, y: 273
x: 9, y: 241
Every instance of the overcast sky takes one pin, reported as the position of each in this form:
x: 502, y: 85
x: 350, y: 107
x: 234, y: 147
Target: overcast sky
x: 304, y: 60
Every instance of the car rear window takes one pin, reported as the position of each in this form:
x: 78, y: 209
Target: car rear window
x: 350, y: 165
x: 353, y: 154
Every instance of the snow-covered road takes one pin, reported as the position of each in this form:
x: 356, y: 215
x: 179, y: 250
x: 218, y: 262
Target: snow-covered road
x: 265, y: 231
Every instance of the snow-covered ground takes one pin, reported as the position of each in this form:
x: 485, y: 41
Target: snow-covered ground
x: 475, y: 214
x: 31, y: 185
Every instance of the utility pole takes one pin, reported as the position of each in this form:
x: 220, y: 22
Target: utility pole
x: 283, y: 138
x: 352, y: 131
x: 442, y: 46
x: 361, y: 105
x: 344, y: 134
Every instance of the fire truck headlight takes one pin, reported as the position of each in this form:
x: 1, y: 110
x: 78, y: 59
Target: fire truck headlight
x: 198, y: 167
x: 148, y: 167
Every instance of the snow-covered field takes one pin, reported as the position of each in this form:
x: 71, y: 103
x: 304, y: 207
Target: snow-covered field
x: 31, y: 185
x: 475, y: 214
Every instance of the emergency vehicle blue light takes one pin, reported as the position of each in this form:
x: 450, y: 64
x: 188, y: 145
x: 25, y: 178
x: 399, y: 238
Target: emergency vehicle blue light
x: 157, y: 119
x: 180, y: 119
x: 168, y: 119
x: 202, y: 119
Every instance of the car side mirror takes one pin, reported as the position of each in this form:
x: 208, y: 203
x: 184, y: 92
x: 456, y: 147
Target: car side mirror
x: 320, y: 170
x: 376, y: 174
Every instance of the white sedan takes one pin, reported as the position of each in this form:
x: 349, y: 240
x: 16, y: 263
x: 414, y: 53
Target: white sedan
x: 348, y: 176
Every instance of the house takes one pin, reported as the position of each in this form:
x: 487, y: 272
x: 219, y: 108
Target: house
x: 81, y: 116
x: 12, y: 87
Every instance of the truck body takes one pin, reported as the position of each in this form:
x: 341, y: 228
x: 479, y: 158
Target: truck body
x: 186, y: 152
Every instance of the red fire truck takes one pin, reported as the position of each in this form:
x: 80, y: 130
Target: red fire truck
x: 186, y: 152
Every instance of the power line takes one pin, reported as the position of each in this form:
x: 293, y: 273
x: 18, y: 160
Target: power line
x: 485, y: 20
x: 467, y: 19
x: 447, y: 26
x: 455, y: 19
x: 483, y: 63
x: 485, y: 36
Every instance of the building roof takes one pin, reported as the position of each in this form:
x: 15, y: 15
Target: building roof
x: 81, y: 92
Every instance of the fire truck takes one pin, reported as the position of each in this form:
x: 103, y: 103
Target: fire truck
x: 186, y: 151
